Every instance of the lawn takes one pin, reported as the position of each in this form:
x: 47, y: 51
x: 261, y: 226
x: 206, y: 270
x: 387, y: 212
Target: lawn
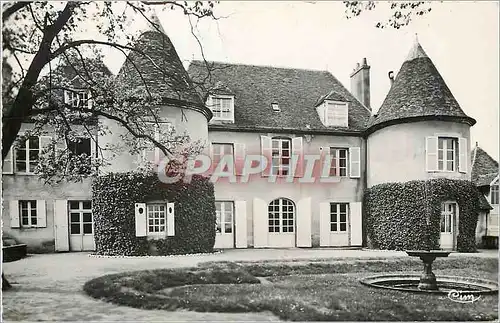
x: 320, y: 290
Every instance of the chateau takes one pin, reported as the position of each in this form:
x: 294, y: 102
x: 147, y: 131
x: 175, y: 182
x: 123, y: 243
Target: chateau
x: 419, y: 133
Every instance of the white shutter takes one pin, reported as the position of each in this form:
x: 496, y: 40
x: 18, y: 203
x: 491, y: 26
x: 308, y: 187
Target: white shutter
x: 324, y: 224
x: 41, y: 214
x: 355, y: 162
x: 356, y: 219
x: 170, y: 219
x: 141, y: 225
x: 8, y: 163
x: 14, y: 214
x: 304, y: 223
x: 260, y: 228
x: 298, y: 152
x: 240, y: 222
x: 239, y: 158
x: 266, y: 150
x: 431, y: 154
x: 462, y: 153
x: 66, y: 97
x: 61, y: 225
x: 89, y: 99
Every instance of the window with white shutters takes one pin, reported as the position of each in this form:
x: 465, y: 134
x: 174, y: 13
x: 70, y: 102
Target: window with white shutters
x: 157, y: 219
x: 339, y: 217
x: 28, y: 213
x: 281, y: 156
x: 339, y: 159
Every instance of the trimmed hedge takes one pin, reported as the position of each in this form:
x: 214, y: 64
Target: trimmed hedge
x: 114, y: 198
x: 396, y: 214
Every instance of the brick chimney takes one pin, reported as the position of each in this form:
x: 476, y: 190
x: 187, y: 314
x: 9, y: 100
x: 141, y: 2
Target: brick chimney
x: 360, y: 83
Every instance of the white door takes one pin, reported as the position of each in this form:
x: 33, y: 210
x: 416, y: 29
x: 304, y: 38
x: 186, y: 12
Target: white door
x: 448, y: 225
x: 281, y: 224
x: 224, y: 237
x: 81, y: 226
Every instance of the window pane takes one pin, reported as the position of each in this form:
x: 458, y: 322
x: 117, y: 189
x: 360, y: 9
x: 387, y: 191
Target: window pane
x: 440, y: 143
x: 74, y: 205
x: 75, y: 228
x: 343, y: 227
x: 87, y: 228
x: 449, y: 165
x: 333, y: 227
x: 333, y: 217
x: 343, y: 217
x: 75, y: 217
x: 33, y: 143
x: 448, y: 224
x: 87, y: 217
x: 228, y: 227
x: 25, y: 220
x: 33, y: 155
x: 87, y: 205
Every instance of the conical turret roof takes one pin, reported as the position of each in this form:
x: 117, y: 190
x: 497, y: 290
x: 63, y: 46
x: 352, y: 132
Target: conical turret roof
x: 418, y: 93
x: 154, y: 67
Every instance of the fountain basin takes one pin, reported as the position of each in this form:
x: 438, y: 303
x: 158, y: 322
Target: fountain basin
x: 445, y: 284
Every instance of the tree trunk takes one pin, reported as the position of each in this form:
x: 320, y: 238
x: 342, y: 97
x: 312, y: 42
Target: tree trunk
x: 21, y: 108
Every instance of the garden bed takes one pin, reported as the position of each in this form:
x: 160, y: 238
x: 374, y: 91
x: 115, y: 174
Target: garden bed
x: 298, y: 291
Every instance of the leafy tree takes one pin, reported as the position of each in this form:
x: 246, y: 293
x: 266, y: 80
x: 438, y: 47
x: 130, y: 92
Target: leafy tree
x: 45, y: 51
x: 401, y: 12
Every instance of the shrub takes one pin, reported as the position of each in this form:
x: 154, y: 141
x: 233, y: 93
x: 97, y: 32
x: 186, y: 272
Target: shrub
x: 114, y: 198
x: 396, y: 213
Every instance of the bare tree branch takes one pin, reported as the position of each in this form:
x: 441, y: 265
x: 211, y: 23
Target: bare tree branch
x: 13, y: 9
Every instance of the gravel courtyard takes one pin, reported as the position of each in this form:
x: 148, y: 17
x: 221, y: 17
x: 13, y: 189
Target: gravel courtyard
x: 49, y: 287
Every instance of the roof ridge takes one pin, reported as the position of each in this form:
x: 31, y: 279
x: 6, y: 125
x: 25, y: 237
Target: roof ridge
x: 265, y: 65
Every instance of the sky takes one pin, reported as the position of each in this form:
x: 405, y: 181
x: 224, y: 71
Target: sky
x: 461, y: 38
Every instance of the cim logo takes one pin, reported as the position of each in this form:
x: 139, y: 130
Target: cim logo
x: 462, y: 296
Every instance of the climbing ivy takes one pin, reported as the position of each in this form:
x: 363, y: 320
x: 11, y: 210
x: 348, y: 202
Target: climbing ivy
x: 402, y: 216
x: 114, y: 198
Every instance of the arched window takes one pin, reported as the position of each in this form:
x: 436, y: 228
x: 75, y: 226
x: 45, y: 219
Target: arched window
x: 281, y: 216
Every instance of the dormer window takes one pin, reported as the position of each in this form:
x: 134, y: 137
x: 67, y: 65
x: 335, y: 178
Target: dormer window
x: 336, y: 114
x: 275, y: 107
x: 77, y: 98
x: 222, y: 107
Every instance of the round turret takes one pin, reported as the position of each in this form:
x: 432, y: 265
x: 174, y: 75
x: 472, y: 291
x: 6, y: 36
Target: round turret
x: 420, y: 131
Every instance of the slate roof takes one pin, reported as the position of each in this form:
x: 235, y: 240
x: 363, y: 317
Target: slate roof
x: 160, y: 68
x: 484, y: 167
x: 418, y: 92
x: 296, y: 91
x: 483, y: 203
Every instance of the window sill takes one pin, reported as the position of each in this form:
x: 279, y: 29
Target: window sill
x: 156, y: 236
x: 338, y: 232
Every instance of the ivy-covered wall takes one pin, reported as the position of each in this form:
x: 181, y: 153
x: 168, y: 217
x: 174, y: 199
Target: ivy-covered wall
x: 396, y: 214
x: 114, y: 198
